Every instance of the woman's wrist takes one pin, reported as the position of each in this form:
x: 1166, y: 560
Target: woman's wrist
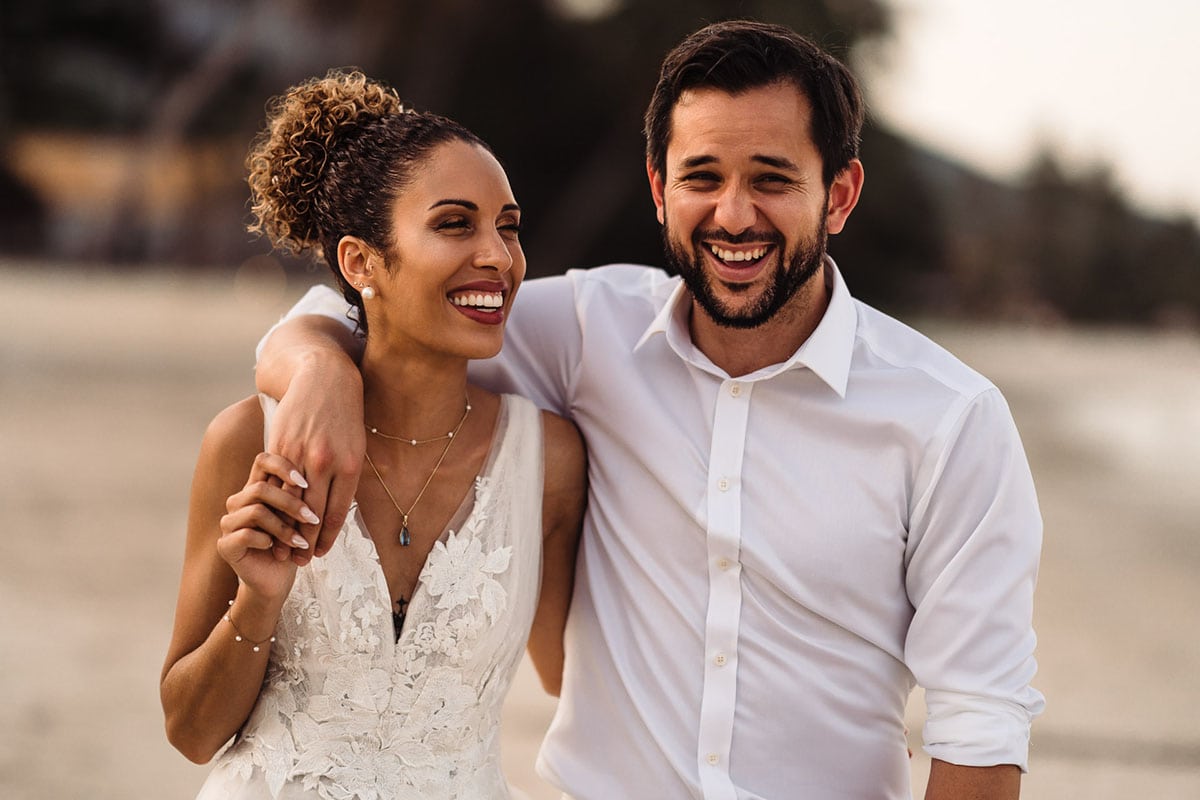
x: 253, y: 616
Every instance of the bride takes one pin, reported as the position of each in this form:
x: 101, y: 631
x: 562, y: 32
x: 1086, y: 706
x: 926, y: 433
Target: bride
x: 379, y: 669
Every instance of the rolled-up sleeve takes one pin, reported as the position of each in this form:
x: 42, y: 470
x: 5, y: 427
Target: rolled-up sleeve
x: 974, y: 545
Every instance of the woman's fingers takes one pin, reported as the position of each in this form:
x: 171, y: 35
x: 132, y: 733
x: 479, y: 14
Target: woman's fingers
x: 281, y: 499
x: 262, y: 518
x: 270, y: 505
x: 234, y: 545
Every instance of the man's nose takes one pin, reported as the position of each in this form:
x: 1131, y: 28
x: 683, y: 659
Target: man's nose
x: 735, y: 210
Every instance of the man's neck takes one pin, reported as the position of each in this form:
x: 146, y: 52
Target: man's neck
x: 741, y: 351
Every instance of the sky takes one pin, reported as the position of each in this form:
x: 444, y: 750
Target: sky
x: 1100, y: 81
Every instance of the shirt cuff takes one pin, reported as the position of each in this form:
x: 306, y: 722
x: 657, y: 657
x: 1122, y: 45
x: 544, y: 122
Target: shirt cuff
x: 974, y: 731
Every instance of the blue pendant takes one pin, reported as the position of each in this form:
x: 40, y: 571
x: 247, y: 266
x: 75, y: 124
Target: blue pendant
x: 404, y: 537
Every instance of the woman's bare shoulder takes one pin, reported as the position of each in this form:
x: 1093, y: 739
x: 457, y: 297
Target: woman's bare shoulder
x: 236, y: 433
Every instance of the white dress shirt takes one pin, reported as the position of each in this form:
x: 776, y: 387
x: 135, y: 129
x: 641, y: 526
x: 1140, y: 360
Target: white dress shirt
x: 771, y: 562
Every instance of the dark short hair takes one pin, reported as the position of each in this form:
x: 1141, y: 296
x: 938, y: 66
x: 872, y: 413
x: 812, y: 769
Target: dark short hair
x: 739, y: 55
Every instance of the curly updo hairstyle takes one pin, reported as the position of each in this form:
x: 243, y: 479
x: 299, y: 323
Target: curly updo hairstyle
x: 335, y: 154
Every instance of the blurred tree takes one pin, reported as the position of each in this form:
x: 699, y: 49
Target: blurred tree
x: 558, y: 87
x: 1095, y: 259
x: 94, y: 65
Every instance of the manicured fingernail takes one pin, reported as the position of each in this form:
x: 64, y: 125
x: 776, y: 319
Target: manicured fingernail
x: 299, y: 541
x: 298, y: 479
x: 308, y: 516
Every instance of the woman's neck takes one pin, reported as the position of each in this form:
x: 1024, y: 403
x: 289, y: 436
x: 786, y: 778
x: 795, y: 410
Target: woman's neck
x: 412, y: 396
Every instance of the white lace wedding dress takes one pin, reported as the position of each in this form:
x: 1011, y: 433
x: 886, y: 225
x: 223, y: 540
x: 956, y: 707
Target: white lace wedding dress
x: 346, y: 711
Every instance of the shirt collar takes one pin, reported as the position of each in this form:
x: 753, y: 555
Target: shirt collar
x: 826, y: 352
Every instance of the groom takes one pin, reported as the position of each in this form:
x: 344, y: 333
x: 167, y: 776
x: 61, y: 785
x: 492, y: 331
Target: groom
x: 799, y: 508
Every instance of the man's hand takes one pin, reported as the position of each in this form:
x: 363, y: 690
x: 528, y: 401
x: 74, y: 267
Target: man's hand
x: 306, y: 363
x: 319, y: 425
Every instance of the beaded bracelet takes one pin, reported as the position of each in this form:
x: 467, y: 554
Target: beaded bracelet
x: 237, y: 634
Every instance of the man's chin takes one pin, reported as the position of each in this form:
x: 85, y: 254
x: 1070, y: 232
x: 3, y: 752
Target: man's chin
x: 739, y: 308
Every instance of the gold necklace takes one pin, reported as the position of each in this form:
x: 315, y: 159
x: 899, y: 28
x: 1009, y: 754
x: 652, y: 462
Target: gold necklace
x: 415, y: 442
x: 405, y: 538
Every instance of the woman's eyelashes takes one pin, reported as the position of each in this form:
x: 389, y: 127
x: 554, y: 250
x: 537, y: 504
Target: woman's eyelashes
x: 462, y: 225
x: 510, y: 228
x: 453, y: 224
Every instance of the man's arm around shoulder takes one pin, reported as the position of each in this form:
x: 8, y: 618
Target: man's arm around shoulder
x: 306, y: 362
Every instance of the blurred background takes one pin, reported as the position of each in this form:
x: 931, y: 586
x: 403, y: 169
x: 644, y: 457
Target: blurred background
x: 1032, y: 201
x: 1026, y: 163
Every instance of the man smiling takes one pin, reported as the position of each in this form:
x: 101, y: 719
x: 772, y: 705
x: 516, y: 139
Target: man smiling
x: 745, y: 214
x: 799, y: 508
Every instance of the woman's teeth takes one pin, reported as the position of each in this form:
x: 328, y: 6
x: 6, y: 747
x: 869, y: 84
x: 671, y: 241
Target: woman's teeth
x: 488, y: 301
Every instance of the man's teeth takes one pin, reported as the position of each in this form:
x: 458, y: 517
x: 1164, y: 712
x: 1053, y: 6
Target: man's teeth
x: 488, y: 300
x: 738, y: 255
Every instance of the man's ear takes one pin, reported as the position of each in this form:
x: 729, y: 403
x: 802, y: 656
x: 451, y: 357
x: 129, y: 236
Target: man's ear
x: 843, y: 196
x: 356, y: 260
x: 656, y: 190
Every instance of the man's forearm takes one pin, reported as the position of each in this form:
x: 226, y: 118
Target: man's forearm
x: 954, y: 782
x: 306, y: 342
x: 306, y: 364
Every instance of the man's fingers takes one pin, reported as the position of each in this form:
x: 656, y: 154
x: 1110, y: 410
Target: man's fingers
x: 337, y: 506
x: 315, y: 499
x: 320, y: 429
x: 270, y: 465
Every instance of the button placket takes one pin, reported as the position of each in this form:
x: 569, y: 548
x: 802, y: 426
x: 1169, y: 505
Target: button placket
x: 718, y: 702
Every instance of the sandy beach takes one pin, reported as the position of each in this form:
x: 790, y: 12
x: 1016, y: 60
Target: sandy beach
x: 108, y: 382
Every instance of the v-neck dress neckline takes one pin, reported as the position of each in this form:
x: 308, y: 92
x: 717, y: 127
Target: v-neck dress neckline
x: 462, y: 516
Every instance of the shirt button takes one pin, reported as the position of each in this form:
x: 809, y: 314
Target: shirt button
x: 736, y: 390
x: 719, y: 660
x: 723, y: 563
x: 723, y: 484
x: 713, y: 758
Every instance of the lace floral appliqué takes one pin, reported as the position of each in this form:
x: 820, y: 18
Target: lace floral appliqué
x: 347, y: 713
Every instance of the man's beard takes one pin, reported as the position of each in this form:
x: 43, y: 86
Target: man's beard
x: 796, y: 269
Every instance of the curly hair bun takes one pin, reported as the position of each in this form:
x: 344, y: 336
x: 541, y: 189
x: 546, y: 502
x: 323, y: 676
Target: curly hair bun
x: 287, y: 160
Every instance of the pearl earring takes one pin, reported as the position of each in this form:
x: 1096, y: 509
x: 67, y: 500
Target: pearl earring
x: 367, y: 292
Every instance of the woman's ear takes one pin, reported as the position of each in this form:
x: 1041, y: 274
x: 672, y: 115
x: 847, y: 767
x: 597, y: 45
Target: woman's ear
x: 356, y: 260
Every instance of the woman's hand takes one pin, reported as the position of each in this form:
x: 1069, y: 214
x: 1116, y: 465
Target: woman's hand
x: 261, y: 527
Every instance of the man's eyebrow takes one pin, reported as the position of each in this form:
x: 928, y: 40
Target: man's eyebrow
x: 697, y: 161
x: 778, y: 162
